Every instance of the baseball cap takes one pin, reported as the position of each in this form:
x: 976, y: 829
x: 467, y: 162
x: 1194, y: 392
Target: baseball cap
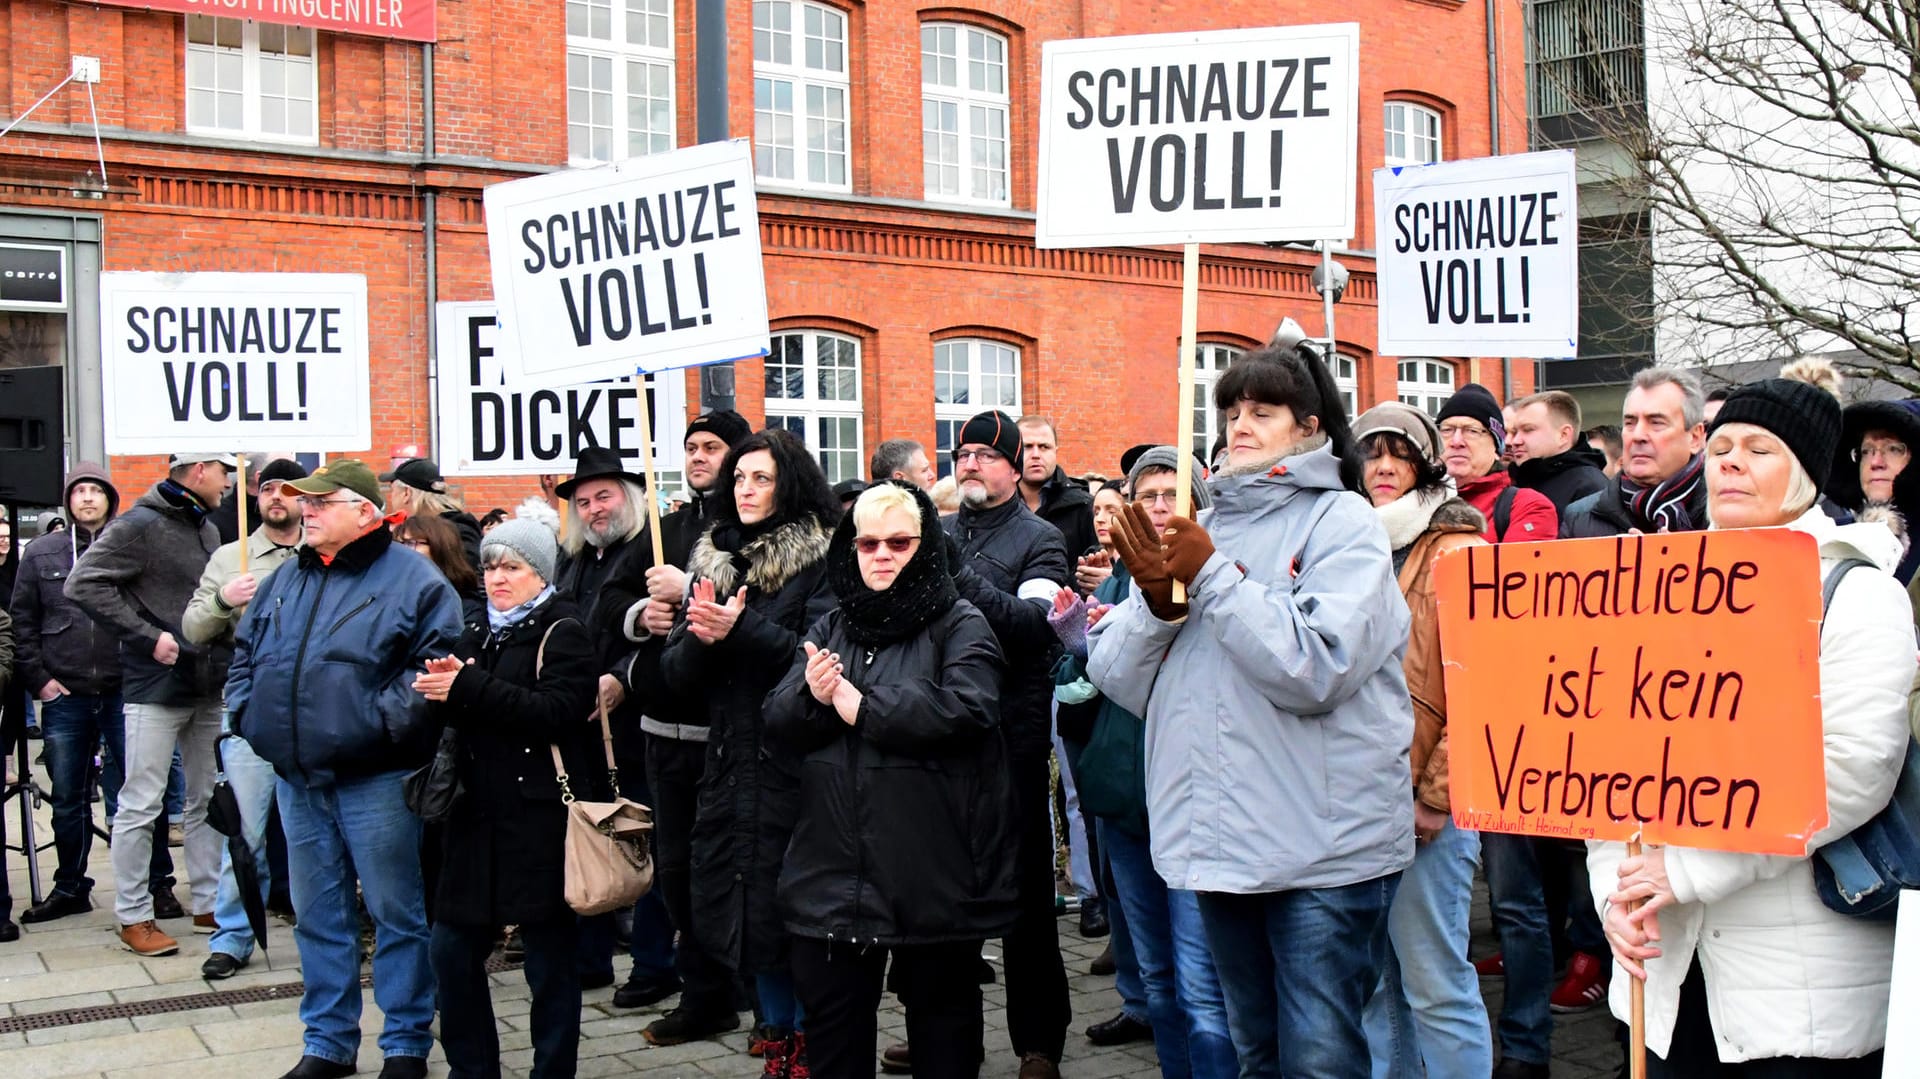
x: 179, y: 459
x: 344, y: 474
x: 420, y: 474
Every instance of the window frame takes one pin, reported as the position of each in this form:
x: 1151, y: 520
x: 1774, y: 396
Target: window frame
x: 965, y: 100
x: 252, y: 78
x: 1347, y: 384
x: 1409, y: 111
x: 949, y: 416
x: 801, y: 78
x: 622, y: 54
x: 812, y: 410
x: 1423, y: 391
x: 1206, y: 419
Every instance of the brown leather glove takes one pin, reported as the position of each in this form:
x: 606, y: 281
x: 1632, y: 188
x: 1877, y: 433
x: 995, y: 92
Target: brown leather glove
x: 1146, y: 560
x: 1188, y: 548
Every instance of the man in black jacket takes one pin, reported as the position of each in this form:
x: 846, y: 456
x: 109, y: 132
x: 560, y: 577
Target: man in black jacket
x: 1011, y: 564
x: 1548, y: 455
x: 639, y: 602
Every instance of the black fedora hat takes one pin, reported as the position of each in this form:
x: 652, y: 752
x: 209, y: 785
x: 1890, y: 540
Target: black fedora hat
x: 597, y: 463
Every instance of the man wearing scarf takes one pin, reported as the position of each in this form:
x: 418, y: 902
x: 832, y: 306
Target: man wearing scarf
x: 1660, y: 486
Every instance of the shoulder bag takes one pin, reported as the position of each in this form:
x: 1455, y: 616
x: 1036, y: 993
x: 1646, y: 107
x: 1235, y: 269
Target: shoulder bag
x: 608, y: 863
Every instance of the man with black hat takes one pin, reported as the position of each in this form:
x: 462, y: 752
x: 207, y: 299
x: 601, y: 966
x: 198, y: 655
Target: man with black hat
x: 639, y: 602
x: 211, y: 615
x: 415, y: 487
x: 1473, y: 435
x: 321, y: 687
x: 136, y: 579
x: 606, y: 519
x: 1010, y: 563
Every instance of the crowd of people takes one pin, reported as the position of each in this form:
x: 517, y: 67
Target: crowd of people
x: 844, y: 706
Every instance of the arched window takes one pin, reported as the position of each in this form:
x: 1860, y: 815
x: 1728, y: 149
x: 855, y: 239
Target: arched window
x: 970, y: 376
x: 813, y: 390
x: 1210, y: 361
x: 963, y: 110
x: 800, y: 93
x: 1426, y: 384
x: 619, y: 79
x: 1413, y: 134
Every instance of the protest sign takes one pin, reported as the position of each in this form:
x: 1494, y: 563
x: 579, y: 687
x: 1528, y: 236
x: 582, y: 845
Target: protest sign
x: 1479, y: 257
x: 651, y: 263
x: 234, y: 361
x: 488, y: 427
x: 1219, y: 136
x: 1665, y: 684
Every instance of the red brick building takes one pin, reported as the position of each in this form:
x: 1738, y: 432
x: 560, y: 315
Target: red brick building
x: 896, y: 145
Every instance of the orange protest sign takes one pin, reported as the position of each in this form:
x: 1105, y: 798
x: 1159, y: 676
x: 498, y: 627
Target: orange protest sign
x: 1666, y: 684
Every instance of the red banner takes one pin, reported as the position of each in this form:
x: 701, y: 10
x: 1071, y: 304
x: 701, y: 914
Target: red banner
x: 411, y: 20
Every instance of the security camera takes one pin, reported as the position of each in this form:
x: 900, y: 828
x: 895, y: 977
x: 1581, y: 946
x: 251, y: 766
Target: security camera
x: 1334, y: 281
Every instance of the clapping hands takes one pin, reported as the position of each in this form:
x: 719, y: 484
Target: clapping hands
x: 439, y: 676
x: 710, y: 620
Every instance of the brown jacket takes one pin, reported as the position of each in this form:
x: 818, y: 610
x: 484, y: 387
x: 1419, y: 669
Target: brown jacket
x: 1455, y: 524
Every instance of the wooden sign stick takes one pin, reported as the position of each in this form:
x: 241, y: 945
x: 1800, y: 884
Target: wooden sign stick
x: 240, y: 505
x: 1183, y: 440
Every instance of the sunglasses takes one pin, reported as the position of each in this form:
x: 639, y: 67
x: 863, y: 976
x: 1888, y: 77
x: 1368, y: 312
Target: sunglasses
x: 896, y: 544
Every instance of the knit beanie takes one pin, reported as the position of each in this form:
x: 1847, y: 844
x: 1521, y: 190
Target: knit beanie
x: 280, y: 470
x: 1475, y: 402
x: 530, y: 541
x: 1404, y: 420
x: 1805, y: 417
x: 726, y: 425
x: 995, y: 430
x: 1167, y: 457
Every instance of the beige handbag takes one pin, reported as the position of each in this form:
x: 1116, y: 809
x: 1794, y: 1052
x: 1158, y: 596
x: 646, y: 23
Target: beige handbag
x: 608, y: 863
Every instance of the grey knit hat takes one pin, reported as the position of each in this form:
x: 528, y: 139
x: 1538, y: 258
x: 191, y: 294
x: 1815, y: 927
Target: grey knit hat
x: 529, y: 541
x: 1167, y: 457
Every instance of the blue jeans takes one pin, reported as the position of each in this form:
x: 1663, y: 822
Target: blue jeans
x: 1184, y: 1000
x: 1519, y: 909
x: 358, y: 826
x: 253, y: 781
x: 1297, y: 968
x: 74, y: 726
x: 779, y: 1001
x: 1427, y: 1017
x: 1126, y: 966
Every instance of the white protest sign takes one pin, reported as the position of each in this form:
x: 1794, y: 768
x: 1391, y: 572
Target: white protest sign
x: 234, y: 361
x: 1479, y: 257
x: 1213, y: 137
x: 651, y: 263
x: 490, y: 428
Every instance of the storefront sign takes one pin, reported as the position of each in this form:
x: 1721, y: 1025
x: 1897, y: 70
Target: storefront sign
x: 410, y: 20
x: 33, y: 277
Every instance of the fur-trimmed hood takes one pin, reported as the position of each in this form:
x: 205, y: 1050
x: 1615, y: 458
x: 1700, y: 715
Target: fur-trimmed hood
x: 773, y: 559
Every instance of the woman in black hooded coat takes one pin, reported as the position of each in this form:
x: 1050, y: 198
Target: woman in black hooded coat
x: 904, y: 841
x: 759, y: 580
x: 1894, y: 429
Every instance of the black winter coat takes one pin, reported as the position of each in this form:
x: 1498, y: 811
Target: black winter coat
x: 750, y: 793
x: 1565, y: 478
x: 1002, y: 549
x: 503, y: 851
x: 626, y: 587
x: 1068, y: 507
x: 905, y: 832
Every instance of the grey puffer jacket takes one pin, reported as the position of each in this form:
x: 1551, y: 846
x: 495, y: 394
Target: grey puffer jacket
x: 1278, y: 721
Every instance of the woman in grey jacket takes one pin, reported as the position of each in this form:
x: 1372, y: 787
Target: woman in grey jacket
x: 1278, y: 721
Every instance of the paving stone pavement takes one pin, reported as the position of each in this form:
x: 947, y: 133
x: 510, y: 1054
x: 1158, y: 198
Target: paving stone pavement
x: 77, y: 963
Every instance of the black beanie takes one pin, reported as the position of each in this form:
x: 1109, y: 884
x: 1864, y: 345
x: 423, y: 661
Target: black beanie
x: 1475, y: 402
x: 726, y: 425
x: 282, y: 470
x: 1805, y: 417
x: 995, y: 430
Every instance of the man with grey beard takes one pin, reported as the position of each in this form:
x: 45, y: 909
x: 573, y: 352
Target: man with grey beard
x: 606, y: 523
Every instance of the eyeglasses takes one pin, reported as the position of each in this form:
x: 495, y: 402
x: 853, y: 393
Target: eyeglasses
x: 896, y: 544
x: 983, y: 456
x: 1158, y: 498
x: 1470, y: 432
x: 416, y: 544
x: 1894, y: 452
x: 303, y: 501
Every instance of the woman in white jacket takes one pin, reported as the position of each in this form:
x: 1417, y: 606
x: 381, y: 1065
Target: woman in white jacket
x: 1747, y: 973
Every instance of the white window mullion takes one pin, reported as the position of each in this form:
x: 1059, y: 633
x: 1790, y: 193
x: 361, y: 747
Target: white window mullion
x: 801, y: 118
x: 965, y: 137
x: 256, y: 80
x: 619, y: 54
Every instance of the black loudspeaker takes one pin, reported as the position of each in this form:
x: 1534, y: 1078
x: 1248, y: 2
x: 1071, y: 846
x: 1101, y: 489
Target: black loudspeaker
x: 32, y: 464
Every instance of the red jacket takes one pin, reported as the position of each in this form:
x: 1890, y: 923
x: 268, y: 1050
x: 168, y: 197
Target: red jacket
x: 1531, y: 518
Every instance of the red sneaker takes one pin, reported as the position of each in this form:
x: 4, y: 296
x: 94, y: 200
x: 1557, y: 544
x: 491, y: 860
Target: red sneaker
x: 797, y: 1058
x: 1493, y: 966
x: 777, y: 1053
x: 1583, y: 987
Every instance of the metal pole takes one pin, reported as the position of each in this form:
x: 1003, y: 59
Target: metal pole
x: 430, y: 240
x: 1326, y: 297
x: 710, y: 125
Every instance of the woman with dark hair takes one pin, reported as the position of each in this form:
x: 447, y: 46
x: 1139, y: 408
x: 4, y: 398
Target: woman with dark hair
x: 1427, y: 1017
x: 759, y: 580
x: 904, y: 837
x: 438, y: 540
x: 1873, y: 470
x: 1278, y: 725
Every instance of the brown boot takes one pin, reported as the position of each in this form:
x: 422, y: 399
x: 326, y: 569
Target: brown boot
x: 145, y: 938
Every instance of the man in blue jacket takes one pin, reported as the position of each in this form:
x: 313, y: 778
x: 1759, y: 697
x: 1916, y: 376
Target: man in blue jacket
x: 332, y: 641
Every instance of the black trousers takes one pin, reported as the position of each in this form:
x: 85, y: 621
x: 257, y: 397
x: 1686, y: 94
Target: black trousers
x: 1693, y: 1056
x: 467, y: 1031
x: 673, y: 774
x: 1038, y: 1010
x: 839, y: 985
